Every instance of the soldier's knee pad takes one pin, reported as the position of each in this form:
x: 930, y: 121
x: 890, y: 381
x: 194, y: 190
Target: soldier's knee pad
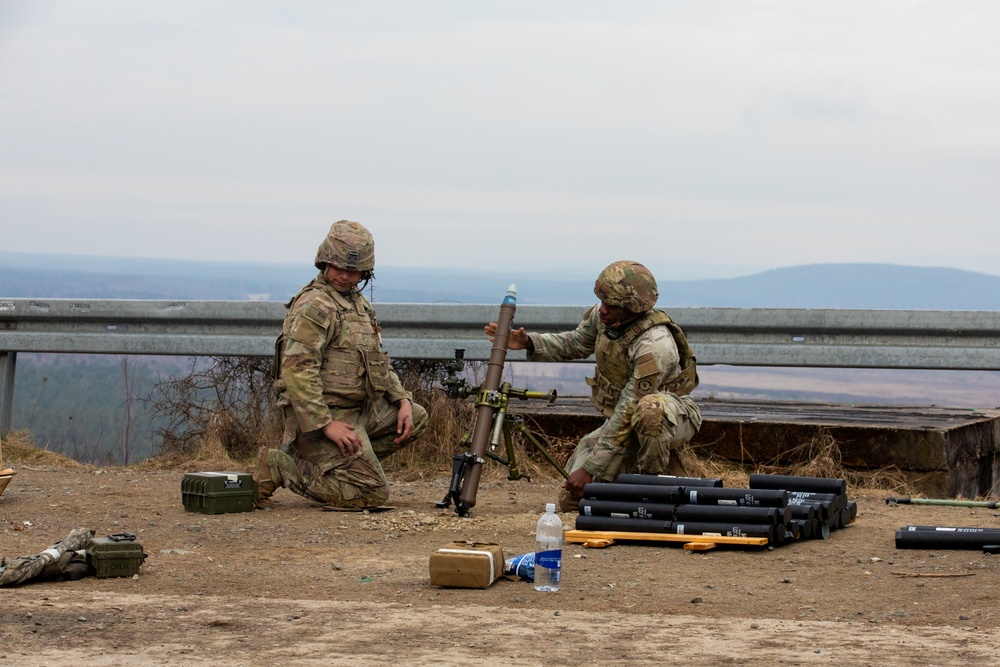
x: 655, y: 416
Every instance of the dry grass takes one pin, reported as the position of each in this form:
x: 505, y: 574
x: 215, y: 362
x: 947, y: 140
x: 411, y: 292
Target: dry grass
x: 817, y: 457
x: 20, y: 448
x: 209, y: 453
x: 430, y: 456
x: 449, y: 420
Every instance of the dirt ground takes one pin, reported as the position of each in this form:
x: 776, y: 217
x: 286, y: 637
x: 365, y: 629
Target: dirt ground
x: 297, y: 585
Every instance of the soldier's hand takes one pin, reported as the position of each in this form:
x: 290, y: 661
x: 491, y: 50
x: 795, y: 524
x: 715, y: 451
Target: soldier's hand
x: 578, y: 479
x: 518, y: 338
x: 404, y: 421
x: 344, y: 436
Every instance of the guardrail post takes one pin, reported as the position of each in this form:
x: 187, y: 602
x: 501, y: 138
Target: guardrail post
x: 7, y: 360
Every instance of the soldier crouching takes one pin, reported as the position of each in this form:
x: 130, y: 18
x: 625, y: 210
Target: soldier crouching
x: 644, y: 372
x: 344, y: 408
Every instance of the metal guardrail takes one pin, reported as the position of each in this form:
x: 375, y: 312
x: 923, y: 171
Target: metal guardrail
x: 914, y: 339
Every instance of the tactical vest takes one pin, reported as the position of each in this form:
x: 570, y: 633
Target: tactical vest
x: 615, y: 369
x: 354, y: 366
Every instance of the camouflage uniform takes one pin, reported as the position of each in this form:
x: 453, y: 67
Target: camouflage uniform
x: 332, y: 367
x: 638, y: 386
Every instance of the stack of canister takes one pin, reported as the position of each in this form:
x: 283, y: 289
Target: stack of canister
x: 701, y: 506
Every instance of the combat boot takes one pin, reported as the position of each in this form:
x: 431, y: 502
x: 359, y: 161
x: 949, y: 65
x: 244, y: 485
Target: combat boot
x: 262, y: 475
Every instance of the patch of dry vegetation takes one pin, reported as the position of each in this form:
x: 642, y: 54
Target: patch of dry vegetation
x: 219, y: 417
x: 819, y: 456
x: 20, y: 448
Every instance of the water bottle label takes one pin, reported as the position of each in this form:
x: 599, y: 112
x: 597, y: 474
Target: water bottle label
x: 522, y: 566
x: 550, y: 559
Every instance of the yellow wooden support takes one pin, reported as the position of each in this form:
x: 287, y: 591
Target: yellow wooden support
x: 585, y: 535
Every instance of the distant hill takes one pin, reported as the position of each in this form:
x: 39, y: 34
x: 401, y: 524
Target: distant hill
x: 865, y: 286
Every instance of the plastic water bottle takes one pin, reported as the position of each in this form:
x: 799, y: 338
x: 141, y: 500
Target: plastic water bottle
x: 548, y: 550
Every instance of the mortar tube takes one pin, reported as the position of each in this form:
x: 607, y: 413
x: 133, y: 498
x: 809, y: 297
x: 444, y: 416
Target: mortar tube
x: 484, y: 413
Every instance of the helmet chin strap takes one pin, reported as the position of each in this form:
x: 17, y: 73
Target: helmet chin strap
x: 368, y: 278
x: 616, y: 332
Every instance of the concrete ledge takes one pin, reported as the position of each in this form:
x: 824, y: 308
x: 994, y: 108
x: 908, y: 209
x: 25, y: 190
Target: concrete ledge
x: 947, y: 452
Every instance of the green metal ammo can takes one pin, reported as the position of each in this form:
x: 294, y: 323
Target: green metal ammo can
x: 108, y: 557
x: 218, y: 492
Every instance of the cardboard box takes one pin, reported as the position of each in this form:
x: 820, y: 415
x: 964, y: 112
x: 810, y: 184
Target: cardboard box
x: 466, y: 564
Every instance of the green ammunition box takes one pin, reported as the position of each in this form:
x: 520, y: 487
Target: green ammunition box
x: 218, y: 492
x: 111, y: 558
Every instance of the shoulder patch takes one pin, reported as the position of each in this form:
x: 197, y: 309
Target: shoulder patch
x: 315, y: 314
x: 647, y: 374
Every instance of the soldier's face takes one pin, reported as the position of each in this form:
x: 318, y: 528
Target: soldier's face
x: 343, y: 280
x: 611, y: 316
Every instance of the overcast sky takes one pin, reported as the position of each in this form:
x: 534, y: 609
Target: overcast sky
x: 705, y: 139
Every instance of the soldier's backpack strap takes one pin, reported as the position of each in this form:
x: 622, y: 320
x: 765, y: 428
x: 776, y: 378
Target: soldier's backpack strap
x: 686, y: 382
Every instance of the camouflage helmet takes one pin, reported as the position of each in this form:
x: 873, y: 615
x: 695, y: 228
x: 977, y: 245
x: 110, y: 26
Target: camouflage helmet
x: 627, y: 285
x: 348, y: 246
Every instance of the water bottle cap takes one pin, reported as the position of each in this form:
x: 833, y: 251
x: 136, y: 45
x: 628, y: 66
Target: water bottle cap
x: 550, y: 507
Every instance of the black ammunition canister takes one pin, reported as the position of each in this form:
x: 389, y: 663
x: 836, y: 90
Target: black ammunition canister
x: 747, y: 497
x: 820, y: 507
x: 667, y: 480
x: 627, y: 509
x: 804, y: 511
x: 796, y: 483
x: 945, y: 537
x: 837, y: 501
x: 727, y: 529
x: 805, y: 528
x: 647, y: 493
x: 793, y: 529
x: 729, y: 513
x: 584, y: 522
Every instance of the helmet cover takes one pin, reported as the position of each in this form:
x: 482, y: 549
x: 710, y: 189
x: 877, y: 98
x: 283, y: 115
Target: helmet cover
x: 627, y: 284
x: 348, y: 246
